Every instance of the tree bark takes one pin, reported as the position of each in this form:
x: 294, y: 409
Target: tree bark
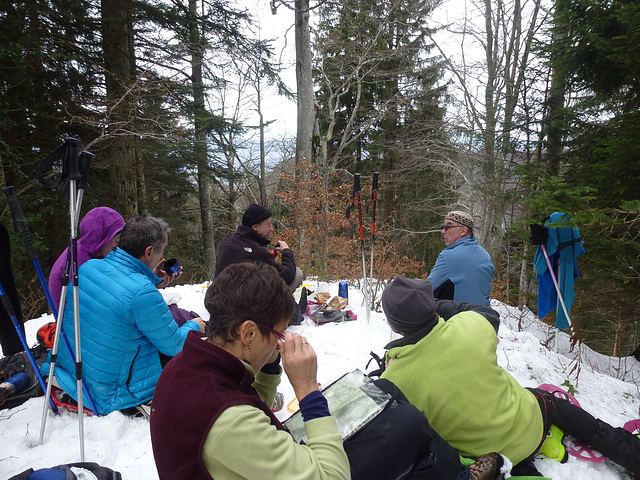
x: 120, y: 73
x: 263, y: 168
x: 304, y: 82
x: 200, y: 151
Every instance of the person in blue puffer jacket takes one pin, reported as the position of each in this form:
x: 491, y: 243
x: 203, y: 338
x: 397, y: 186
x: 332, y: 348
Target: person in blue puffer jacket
x: 125, y: 323
x: 463, y: 270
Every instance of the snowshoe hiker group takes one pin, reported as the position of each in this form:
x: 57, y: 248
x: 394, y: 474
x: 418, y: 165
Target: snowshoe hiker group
x: 226, y: 381
x: 454, y: 413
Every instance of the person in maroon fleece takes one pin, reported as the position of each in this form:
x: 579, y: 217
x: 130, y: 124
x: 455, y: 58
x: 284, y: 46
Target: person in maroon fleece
x: 211, y: 415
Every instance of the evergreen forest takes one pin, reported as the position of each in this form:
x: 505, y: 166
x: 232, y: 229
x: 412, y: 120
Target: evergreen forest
x: 529, y: 107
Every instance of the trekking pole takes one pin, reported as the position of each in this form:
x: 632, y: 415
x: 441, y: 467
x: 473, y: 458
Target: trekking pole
x: 539, y: 237
x: 73, y: 173
x: 21, y: 226
x: 358, y: 191
x: 6, y: 302
x: 374, y: 200
x: 555, y: 283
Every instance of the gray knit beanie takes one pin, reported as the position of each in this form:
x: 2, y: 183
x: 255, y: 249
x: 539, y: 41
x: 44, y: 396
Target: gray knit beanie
x: 409, y: 304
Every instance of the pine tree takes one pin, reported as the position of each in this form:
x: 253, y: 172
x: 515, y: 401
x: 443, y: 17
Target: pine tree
x: 381, y: 105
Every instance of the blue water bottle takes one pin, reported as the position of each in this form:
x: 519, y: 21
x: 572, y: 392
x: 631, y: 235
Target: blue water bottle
x: 343, y: 289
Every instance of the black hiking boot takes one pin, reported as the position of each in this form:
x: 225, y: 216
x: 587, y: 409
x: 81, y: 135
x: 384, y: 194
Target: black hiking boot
x: 487, y: 467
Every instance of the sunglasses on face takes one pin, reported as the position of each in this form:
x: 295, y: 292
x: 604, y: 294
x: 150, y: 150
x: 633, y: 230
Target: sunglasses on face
x: 279, y: 335
x: 447, y: 227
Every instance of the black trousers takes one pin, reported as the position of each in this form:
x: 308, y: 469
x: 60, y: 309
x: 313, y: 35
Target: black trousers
x: 9, y: 338
x: 615, y: 443
x: 400, y: 444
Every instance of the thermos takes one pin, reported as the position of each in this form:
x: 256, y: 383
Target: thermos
x: 343, y: 289
x: 15, y: 384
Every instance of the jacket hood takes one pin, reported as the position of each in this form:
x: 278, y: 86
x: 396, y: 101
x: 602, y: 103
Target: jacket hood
x: 97, y: 228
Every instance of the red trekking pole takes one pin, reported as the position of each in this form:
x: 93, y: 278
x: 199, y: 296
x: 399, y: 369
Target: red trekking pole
x: 374, y: 200
x: 357, y: 190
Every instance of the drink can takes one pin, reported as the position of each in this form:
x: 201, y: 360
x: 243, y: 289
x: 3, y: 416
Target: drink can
x: 343, y: 289
x: 171, y: 266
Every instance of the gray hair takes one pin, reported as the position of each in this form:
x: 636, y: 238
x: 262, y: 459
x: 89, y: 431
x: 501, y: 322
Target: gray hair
x: 142, y: 232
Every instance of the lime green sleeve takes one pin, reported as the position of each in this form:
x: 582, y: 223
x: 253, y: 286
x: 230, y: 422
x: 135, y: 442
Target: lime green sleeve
x: 243, y: 444
x: 266, y: 386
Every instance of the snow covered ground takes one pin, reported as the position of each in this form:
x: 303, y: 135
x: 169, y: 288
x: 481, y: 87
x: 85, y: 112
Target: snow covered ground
x: 605, y: 386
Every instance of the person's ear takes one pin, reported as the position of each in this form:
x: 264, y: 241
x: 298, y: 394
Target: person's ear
x: 148, y: 252
x: 247, y: 332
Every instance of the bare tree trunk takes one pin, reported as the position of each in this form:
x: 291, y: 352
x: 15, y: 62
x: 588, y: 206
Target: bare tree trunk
x: 142, y: 188
x: 506, y: 38
x: 200, y: 151
x: 523, y: 288
x: 304, y: 83
x: 263, y: 176
x: 119, y: 60
x: 617, y: 343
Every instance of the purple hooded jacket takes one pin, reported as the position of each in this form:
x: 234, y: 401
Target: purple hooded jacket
x: 97, y: 228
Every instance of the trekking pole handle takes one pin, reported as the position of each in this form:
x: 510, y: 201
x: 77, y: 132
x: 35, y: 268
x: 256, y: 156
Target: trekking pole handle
x: 71, y: 161
x: 19, y: 222
x: 374, y: 183
x: 356, y: 183
x: 84, y: 162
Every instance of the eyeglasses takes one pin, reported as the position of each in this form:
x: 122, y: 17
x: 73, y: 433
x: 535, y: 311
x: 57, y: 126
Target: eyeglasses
x: 447, y: 227
x: 280, y: 336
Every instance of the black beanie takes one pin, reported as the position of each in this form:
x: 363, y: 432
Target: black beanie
x: 409, y: 305
x: 255, y: 214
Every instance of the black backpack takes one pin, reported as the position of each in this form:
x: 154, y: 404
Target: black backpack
x: 63, y: 472
x: 19, y: 363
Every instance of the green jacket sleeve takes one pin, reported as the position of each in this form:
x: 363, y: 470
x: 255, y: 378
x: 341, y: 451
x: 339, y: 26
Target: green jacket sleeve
x: 242, y: 444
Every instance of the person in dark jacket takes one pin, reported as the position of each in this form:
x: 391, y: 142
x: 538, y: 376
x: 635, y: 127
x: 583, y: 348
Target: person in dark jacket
x: 249, y: 243
x: 9, y: 338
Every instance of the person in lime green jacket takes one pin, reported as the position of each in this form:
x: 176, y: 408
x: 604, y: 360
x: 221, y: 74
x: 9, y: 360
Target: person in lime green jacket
x: 446, y: 365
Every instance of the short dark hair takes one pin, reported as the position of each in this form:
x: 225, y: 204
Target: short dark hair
x: 246, y: 291
x: 142, y: 232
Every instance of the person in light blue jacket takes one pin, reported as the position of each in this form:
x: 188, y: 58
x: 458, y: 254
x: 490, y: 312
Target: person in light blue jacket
x: 463, y: 270
x: 125, y: 323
